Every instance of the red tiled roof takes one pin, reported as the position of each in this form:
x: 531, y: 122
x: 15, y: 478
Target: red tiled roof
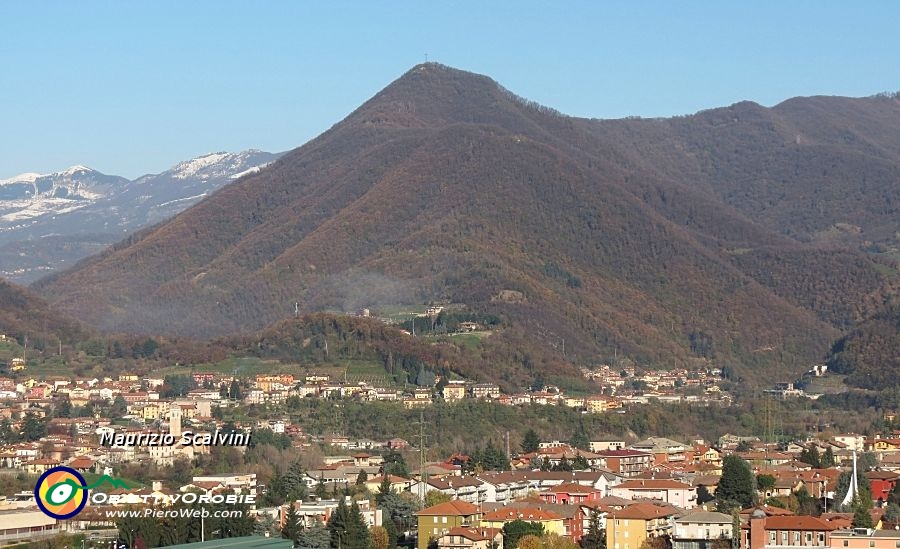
x: 450, y: 508
x: 798, y: 522
x: 526, y: 514
x: 643, y: 511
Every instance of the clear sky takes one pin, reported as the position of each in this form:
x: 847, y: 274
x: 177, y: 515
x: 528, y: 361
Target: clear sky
x: 131, y: 87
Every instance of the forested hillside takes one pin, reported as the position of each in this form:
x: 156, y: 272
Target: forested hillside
x: 745, y: 227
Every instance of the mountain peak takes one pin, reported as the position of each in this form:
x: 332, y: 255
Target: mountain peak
x: 432, y: 94
x: 73, y: 170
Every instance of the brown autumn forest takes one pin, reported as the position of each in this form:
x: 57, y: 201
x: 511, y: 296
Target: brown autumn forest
x: 766, y: 233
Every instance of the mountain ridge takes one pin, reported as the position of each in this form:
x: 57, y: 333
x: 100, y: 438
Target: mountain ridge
x: 445, y: 186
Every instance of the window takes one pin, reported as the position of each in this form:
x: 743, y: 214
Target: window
x: 784, y: 538
x: 771, y: 538
x: 846, y: 543
x: 435, y: 520
x: 871, y: 544
x: 444, y: 520
x: 796, y: 538
x: 808, y: 537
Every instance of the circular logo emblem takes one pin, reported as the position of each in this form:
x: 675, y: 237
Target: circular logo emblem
x: 61, y: 492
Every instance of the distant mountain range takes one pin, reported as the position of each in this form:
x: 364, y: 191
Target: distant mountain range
x: 51, y: 221
x: 745, y: 237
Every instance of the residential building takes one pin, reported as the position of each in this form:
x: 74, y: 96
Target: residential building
x: 628, y: 463
x: 665, y: 490
x: 863, y: 538
x: 628, y: 528
x: 437, y: 520
x: 552, y: 522
x: 462, y: 537
x: 700, y: 529
x: 766, y: 532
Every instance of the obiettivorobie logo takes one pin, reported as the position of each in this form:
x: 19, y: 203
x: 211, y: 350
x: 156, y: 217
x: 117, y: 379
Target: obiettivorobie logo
x: 62, y: 492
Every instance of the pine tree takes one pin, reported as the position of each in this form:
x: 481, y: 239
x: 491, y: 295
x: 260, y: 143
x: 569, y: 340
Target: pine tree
x: 594, y: 538
x: 736, y: 487
x: 362, y: 477
x: 861, y: 516
x: 291, y: 528
x: 530, y: 442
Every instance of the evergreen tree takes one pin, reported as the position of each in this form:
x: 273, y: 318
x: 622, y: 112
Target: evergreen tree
x: 843, y: 484
x: 861, y: 516
x: 348, y: 528
x: 811, y: 456
x: 64, y: 409
x: 580, y: 438
x: 595, y: 538
x: 33, y: 427
x: 530, y: 442
x: 515, y: 530
x: 291, y: 528
x: 580, y: 463
x: 383, y: 490
x: 894, y: 496
x: 736, y: 487
x: 316, y: 536
x: 828, y: 458
x: 391, y: 529
x: 395, y: 464
x: 362, y: 477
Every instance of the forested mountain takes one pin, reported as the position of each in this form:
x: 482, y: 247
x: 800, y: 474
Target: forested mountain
x: 24, y: 314
x: 738, y: 227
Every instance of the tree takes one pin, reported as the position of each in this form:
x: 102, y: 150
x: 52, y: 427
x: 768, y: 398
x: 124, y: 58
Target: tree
x: 861, y: 516
x: 811, y: 456
x: 64, y: 409
x: 234, y: 392
x: 530, y: 541
x: 703, y: 495
x: 556, y: 541
x: 362, y: 477
x: 384, y: 488
x: 379, y: 537
x: 580, y: 438
x: 843, y: 484
x: 736, y: 487
x: 894, y: 496
x: 33, y: 427
x: 594, y: 538
x: 348, y: 528
x: 395, y: 464
x: 828, y: 458
x: 892, y: 513
x: 530, y: 442
x: 264, y: 526
x: 514, y: 530
x: 434, y: 497
x: 580, y: 463
x: 291, y: 528
x: 765, y: 482
x: 391, y: 530
x: 316, y: 536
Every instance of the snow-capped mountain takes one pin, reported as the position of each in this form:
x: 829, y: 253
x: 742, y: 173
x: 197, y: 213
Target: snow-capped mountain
x: 48, y: 222
x: 27, y: 197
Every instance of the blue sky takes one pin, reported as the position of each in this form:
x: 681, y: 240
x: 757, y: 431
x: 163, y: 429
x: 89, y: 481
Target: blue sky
x: 133, y: 87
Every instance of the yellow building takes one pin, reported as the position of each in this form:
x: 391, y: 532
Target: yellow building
x: 437, y: 520
x: 553, y: 523
x: 629, y: 527
x: 150, y: 411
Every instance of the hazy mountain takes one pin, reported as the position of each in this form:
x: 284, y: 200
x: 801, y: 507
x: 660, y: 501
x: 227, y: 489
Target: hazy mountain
x: 51, y: 221
x: 687, y: 240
